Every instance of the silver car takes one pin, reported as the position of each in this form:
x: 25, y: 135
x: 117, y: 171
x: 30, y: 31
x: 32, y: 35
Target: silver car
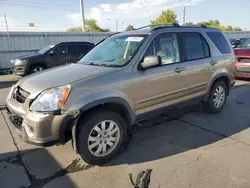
x: 96, y: 101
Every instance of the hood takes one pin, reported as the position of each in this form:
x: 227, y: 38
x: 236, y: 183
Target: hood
x: 242, y: 52
x: 29, y: 56
x: 64, y: 75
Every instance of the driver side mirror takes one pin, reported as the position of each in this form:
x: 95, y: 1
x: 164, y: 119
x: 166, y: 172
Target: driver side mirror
x: 149, y: 62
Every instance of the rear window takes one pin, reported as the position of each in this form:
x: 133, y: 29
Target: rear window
x: 195, y: 46
x: 220, y: 42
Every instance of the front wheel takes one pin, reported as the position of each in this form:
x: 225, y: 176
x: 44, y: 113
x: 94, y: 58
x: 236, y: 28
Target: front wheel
x: 101, y: 136
x: 36, y: 68
x: 217, y: 98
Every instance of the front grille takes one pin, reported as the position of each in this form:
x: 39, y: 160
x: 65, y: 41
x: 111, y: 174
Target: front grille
x: 16, y: 120
x: 20, y: 95
x: 244, y: 60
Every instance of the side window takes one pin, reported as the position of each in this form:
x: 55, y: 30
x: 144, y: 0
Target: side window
x: 220, y: 42
x: 83, y: 48
x: 206, y: 47
x: 166, y: 46
x: 61, y: 49
x: 195, y: 46
x: 73, y: 48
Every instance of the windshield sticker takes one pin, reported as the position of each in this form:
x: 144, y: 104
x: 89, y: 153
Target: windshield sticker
x: 134, y: 39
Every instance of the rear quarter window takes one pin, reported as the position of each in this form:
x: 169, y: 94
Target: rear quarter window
x: 220, y: 42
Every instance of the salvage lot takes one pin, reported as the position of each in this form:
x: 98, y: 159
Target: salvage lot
x: 184, y: 147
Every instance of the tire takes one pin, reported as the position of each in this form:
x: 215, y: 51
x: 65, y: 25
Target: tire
x: 87, y: 132
x: 212, y: 105
x: 36, y: 68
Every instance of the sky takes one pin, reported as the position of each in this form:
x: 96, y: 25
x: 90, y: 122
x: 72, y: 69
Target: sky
x: 59, y: 15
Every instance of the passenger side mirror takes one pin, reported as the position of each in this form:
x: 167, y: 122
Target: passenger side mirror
x: 51, y: 52
x: 150, y: 61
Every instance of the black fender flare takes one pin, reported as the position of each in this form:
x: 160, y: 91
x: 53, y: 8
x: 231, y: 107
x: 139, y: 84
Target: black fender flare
x: 120, y: 101
x: 218, y: 76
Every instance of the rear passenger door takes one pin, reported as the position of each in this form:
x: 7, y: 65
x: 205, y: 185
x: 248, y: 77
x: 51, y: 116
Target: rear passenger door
x: 85, y: 48
x: 198, y: 63
x: 74, y: 53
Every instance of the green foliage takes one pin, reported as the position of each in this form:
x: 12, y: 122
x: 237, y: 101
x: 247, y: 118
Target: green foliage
x: 216, y: 24
x: 166, y: 17
x: 237, y: 29
x: 129, y: 28
x: 75, y: 29
x: 189, y: 23
x: 91, y: 26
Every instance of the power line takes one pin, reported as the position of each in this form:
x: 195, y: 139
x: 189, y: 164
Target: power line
x: 41, y: 7
x: 27, y: 4
x: 32, y: 3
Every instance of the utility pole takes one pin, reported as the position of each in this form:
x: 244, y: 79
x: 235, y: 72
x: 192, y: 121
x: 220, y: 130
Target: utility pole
x: 8, y: 34
x: 184, y: 16
x: 6, y: 24
x: 116, y: 22
x: 82, y: 14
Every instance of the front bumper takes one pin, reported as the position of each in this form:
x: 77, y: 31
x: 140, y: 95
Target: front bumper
x: 47, y: 129
x: 18, y: 70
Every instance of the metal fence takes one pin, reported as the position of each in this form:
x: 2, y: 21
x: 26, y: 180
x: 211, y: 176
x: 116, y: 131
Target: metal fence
x: 22, y: 43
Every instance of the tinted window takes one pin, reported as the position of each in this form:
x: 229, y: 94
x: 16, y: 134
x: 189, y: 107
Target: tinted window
x: 61, y: 49
x: 220, y: 42
x: 84, y: 48
x: 165, y: 46
x: 195, y: 46
x: 206, y: 47
x: 73, y: 48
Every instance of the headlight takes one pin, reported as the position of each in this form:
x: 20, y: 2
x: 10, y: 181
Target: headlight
x: 51, y: 99
x: 20, y: 62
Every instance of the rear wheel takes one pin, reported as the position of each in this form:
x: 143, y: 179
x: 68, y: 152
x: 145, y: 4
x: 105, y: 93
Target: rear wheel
x: 101, y: 136
x: 217, y: 97
x: 36, y: 68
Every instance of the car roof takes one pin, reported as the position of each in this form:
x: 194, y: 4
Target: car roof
x: 75, y: 42
x: 149, y: 29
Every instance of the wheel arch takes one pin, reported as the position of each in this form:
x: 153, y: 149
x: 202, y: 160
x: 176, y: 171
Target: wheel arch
x: 219, y: 77
x: 115, y: 104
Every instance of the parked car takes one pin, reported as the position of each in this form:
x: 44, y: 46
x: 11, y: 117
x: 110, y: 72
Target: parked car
x: 50, y: 56
x: 237, y: 42
x: 96, y: 101
x: 243, y: 60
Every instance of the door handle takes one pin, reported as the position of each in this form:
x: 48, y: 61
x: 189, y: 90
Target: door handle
x: 179, y: 69
x: 213, y: 62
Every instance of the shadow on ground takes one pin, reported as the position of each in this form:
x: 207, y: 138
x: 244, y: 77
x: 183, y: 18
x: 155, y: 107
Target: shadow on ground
x: 6, y: 84
x: 17, y: 171
x: 183, y: 129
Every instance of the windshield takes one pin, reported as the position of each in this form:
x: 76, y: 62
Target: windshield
x: 114, y: 51
x: 246, y: 44
x: 46, y: 49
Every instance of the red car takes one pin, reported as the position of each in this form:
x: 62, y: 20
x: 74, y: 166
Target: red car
x: 243, y: 60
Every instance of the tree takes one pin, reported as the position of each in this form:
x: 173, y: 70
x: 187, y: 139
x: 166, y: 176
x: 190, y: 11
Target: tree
x: 75, y: 29
x: 216, y: 24
x: 166, y: 17
x: 237, y: 29
x: 189, y: 23
x: 91, y: 26
x: 229, y: 28
x: 129, y: 28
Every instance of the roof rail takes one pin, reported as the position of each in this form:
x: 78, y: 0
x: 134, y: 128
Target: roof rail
x: 159, y: 25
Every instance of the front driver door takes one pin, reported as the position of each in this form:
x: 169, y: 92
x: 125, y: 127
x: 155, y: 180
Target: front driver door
x: 160, y: 86
x: 58, y: 56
